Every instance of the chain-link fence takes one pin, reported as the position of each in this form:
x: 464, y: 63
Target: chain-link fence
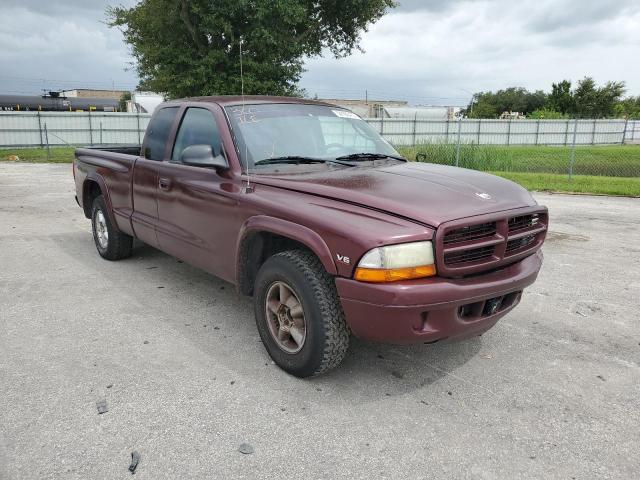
x: 42, y: 129
x: 572, y: 147
x: 503, y: 132
x: 610, y: 161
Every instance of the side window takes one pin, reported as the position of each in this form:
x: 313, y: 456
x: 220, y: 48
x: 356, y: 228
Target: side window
x: 158, y: 132
x: 198, y: 127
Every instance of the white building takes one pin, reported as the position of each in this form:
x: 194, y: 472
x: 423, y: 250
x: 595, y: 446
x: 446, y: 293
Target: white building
x: 144, y: 102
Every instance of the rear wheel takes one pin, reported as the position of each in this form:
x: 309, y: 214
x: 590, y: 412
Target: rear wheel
x: 110, y: 242
x: 298, y: 314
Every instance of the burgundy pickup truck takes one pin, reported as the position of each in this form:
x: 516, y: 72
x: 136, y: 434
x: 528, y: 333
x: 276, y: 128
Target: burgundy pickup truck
x: 303, y: 206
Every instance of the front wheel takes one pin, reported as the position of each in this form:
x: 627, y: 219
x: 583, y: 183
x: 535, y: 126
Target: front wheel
x: 111, y: 243
x: 298, y: 314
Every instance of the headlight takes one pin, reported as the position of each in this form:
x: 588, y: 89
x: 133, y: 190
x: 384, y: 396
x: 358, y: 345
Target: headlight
x: 397, y: 262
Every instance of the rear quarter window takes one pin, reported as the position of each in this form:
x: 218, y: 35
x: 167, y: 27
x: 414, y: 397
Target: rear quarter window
x: 158, y: 133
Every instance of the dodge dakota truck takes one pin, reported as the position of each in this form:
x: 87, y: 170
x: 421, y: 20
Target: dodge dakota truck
x: 305, y: 207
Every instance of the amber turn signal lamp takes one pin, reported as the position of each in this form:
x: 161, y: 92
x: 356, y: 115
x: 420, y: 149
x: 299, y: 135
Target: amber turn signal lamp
x: 379, y: 275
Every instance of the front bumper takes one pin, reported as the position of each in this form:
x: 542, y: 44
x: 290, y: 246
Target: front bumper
x: 428, y: 310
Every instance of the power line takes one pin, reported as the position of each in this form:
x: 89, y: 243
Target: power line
x: 386, y: 93
x: 40, y: 83
x: 346, y: 94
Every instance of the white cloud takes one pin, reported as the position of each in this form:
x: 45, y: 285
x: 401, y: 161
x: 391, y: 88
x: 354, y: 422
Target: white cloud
x: 70, y: 47
x: 426, y: 54
x: 426, y: 51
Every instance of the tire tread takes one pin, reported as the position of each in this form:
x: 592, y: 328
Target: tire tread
x: 325, y: 293
x: 120, y: 244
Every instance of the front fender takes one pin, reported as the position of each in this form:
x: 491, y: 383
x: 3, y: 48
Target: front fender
x: 294, y: 231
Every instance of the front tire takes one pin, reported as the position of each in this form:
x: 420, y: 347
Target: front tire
x: 110, y: 242
x: 299, y: 315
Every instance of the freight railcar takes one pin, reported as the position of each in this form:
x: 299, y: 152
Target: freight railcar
x: 56, y: 104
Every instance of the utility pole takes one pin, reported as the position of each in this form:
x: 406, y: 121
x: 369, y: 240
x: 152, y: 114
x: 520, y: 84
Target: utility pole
x: 572, y: 158
x: 473, y: 98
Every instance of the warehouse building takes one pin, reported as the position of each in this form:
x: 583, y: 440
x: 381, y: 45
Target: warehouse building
x: 89, y: 93
x: 395, y: 109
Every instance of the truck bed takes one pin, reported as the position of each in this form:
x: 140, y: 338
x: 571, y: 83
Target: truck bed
x: 133, y: 149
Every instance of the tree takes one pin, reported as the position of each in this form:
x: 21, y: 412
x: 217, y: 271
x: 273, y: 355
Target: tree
x: 122, y: 103
x: 547, y: 114
x: 561, y: 98
x: 628, y: 108
x: 514, y: 99
x: 481, y: 108
x: 192, y: 47
x: 593, y: 102
x: 587, y: 100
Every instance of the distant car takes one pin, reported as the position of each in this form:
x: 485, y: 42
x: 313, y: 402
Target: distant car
x: 304, y: 206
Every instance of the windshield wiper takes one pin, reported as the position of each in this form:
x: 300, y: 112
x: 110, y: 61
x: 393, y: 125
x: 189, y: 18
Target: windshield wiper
x: 297, y: 160
x: 364, y: 157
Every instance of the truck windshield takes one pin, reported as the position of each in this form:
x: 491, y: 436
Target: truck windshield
x: 303, y: 136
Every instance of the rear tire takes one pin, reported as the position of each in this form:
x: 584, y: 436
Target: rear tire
x: 299, y: 315
x: 110, y: 242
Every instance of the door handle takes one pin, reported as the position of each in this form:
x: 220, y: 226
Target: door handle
x: 164, y: 184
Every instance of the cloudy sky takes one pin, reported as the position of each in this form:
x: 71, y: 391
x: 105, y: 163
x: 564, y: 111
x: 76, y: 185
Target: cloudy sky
x: 425, y: 51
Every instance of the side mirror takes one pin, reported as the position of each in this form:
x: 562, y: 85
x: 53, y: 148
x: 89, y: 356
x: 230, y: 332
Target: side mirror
x: 202, y: 156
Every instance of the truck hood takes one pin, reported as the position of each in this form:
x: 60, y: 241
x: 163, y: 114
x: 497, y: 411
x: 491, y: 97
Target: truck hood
x: 428, y: 193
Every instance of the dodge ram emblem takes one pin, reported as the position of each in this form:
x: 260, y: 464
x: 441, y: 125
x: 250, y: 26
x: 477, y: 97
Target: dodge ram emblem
x: 484, y: 196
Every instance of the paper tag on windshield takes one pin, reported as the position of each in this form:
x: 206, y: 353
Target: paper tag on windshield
x: 345, y: 114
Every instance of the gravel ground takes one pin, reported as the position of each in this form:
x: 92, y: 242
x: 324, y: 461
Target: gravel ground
x: 553, y: 391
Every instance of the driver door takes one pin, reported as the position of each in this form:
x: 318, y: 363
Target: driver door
x: 197, y: 216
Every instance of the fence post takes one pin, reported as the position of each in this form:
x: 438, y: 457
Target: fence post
x: 446, y: 132
x: 40, y: 130
x: 479, y: 127
x: 138, y: 124
x: 100, y: 133
x: 458, y: 144
x: 382, y: 125
x: 509, y: 133
x: 624, y: 132
x: 415, y: 126
x: 593, y: 132
x: 537, y: 131
x: 90, y: 129
x: 566, y: 133
x: 46, y: 138
x: 573, y: 149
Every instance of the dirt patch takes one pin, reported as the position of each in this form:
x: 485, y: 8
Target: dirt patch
x: 565, y: 237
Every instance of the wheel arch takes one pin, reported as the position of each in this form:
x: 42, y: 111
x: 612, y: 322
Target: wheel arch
x: 93, y: 186
x: 263, y: 236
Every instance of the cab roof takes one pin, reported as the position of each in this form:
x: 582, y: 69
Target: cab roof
x: 232, y: 100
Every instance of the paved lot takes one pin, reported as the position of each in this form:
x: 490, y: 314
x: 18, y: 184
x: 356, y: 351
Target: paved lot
x: 552, y: 392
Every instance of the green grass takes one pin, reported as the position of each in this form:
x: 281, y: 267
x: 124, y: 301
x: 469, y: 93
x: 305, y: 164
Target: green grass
x: 610, y: 161
x: 39, y: 155
x: 579, y: 184
x: 535, y: 168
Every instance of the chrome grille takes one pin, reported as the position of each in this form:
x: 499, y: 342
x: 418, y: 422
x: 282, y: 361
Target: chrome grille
x: 520, y: 243
x: 523, y: 221
x: 470, y: 232
x: 465, y: 248
x: 469, y: 255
